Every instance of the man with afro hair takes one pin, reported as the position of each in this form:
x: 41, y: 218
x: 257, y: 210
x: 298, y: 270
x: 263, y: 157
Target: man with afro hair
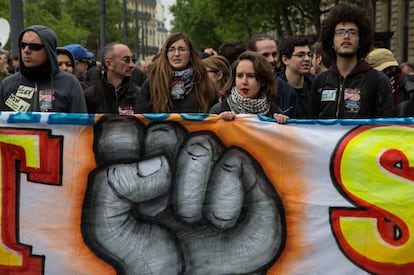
x: 351, y: 88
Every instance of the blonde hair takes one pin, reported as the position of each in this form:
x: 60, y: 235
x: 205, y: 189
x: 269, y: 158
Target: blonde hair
x: 160, y: 75
x: 218, y: 63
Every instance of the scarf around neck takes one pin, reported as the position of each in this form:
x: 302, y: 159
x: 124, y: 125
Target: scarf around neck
x: 244, y: 105
x: 182, y: 83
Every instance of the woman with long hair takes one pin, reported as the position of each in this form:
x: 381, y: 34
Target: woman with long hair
x: 177, y: 81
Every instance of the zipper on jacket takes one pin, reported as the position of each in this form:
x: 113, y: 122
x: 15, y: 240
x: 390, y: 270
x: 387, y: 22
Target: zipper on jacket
x: 341, y: 85
x: 35, y: 98
x: 117, y: 99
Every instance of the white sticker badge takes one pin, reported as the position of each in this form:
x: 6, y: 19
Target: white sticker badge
x: 328, y: 95
x: 17, y: 104
x: 25, y: 92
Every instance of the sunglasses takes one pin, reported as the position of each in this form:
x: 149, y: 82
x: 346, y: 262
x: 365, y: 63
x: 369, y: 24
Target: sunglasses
x: 32, y: 46
x: 128, y: 59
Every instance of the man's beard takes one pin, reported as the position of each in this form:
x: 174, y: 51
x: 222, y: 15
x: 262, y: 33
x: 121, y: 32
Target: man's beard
x: 346, y: 55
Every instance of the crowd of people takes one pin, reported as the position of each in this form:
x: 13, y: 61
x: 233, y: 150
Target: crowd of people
x: 339, y: 76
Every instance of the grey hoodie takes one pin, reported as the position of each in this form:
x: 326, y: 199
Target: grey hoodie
x: 27, y: 90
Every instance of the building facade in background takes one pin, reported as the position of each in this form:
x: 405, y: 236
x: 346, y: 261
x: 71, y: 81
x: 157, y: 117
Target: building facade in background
x: 149, y: 26
x: 394, y: 27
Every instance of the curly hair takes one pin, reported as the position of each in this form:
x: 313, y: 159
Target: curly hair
x: 263, y: 72
x: 160, y: 75
x: 347, y: 13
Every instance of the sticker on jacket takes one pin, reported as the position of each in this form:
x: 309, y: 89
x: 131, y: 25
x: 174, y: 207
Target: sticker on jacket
x: 178, y: 89
x: 328, y: 95
x: 46, y: 98
x: 26, y: 92
x: 352, y: 99
x: 126, y: 110
x: 17, y: 104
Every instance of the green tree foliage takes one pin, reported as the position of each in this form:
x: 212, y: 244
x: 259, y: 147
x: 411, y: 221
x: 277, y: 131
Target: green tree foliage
x: 208, y: 23
x: 49, y: 13
x: 74, y: 21
x: 200, y: 21
x: 4, y: 9
x: 85, y: 15
x: 239, y: 19
x: 211, y: 22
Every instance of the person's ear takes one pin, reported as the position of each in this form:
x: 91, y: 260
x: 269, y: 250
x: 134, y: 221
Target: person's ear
x: 219, y: 75
x: 108, y: 62
x: 284, y: 59
x: 319, y: 60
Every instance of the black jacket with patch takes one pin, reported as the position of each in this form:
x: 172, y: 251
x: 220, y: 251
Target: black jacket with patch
x: 364, y: 93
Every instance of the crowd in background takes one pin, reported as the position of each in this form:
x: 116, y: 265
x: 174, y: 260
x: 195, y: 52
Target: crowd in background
x: 339, y: 76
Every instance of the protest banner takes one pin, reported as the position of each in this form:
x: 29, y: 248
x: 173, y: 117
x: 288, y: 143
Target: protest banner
x: 194, y: 194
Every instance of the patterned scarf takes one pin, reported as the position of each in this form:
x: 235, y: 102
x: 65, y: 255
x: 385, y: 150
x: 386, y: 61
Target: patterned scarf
x: 182, y: 83
x: 244, y: 105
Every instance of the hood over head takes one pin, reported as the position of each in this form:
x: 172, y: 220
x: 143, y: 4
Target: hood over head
x: 63, y: 50
x: 49, y: 39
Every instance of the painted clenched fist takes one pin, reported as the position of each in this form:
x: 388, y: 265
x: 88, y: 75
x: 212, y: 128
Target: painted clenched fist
x: 165, y: 201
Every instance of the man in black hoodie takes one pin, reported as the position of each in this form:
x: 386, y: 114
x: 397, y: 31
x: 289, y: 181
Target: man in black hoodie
x: 40, y: 86
x: 351, y: 88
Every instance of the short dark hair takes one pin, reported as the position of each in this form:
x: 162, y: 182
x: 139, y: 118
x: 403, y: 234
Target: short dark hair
x: 251, y: 44
x: 231, y: 49
x: 318, y: 51
x: 287, y: 45
x: 107, y: 52
x: 347, y: 13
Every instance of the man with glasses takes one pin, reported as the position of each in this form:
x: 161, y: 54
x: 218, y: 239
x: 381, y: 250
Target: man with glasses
x: 265, y: 45
x: 40, y: 86
x: 296, y: 56
x: 351, y: 88
x: 82, y: 62
x: 114, y: 93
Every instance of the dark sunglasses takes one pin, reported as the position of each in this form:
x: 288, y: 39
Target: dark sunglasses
x: 128, y: 59
x: 32, y: 46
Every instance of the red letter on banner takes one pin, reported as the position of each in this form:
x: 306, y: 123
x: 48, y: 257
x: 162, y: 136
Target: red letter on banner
x: 38, y: 154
